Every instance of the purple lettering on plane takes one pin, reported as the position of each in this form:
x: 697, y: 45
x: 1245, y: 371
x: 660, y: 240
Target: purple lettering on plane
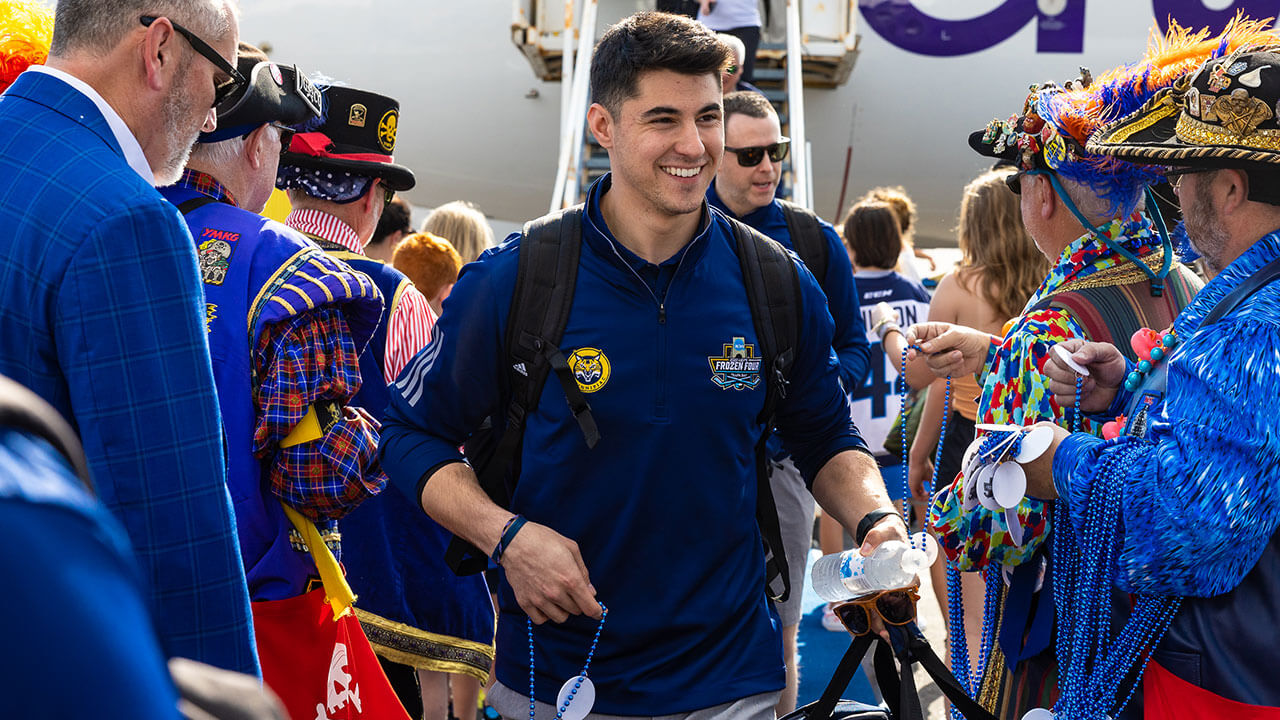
x: 907, y: 27
x: 1194, y: 14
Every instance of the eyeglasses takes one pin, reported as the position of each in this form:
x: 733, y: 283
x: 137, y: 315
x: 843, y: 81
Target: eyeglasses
x: 1014, y: 181
x: 387, y: 196
x: 751, y: 156
x: 286, y: 136
x: 731, y: 70
x: 895, y: 607
x: 221, y: 90
x: 1174, y: 176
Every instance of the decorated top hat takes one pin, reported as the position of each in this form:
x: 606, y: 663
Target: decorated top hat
x: 356, y: 134
x: 1223, y: 115
x: 274, y: 93
x: 1054, y: 130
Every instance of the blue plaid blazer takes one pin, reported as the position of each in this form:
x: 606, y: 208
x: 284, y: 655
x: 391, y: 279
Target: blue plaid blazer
x: 102, y: 314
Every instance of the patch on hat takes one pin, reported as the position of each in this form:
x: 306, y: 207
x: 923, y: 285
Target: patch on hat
x: 275, y: 75
x: 357, y: 115
x: 387, y: 130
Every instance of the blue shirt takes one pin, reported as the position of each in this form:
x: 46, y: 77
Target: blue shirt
x: 849, y: 339
x: 102, y: 315
x: 74, y: 599
x: 1200, y: 505
x: 663, y: 508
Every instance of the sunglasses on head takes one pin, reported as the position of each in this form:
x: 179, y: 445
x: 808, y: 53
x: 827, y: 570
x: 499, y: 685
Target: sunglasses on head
x: 895, y: 607
x: 751, y: 156
x: 1014, y: 181
x: 221, y: 90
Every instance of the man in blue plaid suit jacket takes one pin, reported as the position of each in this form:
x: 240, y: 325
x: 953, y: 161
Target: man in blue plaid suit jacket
x: 101, y: 309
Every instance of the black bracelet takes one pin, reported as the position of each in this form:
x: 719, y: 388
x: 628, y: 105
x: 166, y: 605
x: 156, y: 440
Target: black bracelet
x: 869, y: 521
x: 508, y: 534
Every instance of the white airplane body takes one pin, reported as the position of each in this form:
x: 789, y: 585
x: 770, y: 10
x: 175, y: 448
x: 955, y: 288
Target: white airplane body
x: 477, y: 124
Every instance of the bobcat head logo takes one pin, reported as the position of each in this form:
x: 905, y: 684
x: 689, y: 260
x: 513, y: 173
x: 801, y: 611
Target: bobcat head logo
x: 590, y: 368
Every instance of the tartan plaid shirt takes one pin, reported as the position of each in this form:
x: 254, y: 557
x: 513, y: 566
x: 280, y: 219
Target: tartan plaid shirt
x: 307, y: 359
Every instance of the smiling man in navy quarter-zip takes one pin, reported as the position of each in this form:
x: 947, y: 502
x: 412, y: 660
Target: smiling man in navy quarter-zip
x: 656, y: 520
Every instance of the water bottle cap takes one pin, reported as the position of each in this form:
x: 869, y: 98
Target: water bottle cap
x: 915, y: 561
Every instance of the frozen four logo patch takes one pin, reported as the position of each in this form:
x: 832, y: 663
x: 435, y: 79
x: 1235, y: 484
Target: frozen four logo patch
x: 737, y: 368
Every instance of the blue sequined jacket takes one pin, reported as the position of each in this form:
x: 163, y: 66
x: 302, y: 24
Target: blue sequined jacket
x: 1201, y: 507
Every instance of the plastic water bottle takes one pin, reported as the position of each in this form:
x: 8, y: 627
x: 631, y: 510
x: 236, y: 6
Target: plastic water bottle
x: 894, y: 564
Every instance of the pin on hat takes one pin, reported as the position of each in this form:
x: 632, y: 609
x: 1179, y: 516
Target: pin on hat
x: 357, y: 134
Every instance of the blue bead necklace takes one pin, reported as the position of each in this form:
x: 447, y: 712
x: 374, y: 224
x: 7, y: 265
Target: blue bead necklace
x: 955, y: 603
x: 1092, y: 666
x: 970, y: 677
x: 577, y: 682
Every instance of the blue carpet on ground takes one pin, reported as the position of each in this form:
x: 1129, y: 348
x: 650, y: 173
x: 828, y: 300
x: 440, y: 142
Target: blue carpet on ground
x: 820, y: 650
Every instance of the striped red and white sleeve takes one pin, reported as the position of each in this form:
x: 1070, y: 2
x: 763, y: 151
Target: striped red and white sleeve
x: 411, y: 325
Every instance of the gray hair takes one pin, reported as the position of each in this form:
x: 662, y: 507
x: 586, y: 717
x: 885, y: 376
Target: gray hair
x: 98, y: 25
x: 734, y: 42
x: 219, y: 153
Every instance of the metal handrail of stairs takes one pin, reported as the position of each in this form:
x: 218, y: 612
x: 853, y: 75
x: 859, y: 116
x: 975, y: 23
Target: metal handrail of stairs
x: 573, y: 108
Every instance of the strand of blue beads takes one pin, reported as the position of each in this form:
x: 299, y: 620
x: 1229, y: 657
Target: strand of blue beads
x: 577, y: 684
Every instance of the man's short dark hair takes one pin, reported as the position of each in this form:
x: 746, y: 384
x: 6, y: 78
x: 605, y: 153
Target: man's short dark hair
x: 749, y: 103
x: 652, y: 41
x: 395, y: 217
x: 97, y: 25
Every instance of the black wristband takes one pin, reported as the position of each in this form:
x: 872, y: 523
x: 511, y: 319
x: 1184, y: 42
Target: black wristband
x: 869, y: 521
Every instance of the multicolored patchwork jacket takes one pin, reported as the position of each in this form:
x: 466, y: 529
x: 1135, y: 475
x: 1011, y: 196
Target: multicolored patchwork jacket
x: 1094, y: 293
x: 258, y: 274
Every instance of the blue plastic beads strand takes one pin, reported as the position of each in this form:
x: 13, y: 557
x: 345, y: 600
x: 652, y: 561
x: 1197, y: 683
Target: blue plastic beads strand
x: 577, y: 684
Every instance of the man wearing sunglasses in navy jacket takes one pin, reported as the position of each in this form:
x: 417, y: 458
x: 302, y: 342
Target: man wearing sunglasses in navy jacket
x: 657, y: 520
x: 745, y: 189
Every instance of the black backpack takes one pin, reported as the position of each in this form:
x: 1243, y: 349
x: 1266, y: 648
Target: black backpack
x: 807, y: 238
x: 545, y: 283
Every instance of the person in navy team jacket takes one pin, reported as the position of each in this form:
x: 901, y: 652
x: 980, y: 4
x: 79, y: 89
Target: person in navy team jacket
x: 657, y: 521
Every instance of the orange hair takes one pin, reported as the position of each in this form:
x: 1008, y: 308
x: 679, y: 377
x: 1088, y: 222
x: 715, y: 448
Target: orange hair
x: 429, y: 261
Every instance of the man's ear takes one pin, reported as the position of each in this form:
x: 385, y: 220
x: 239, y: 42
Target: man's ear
x: 601, y: 124
x: 1045, y: 201
x: 257, y: 146
x: 159, y: 54
x: 1230, y: 190
x: 372, y: 195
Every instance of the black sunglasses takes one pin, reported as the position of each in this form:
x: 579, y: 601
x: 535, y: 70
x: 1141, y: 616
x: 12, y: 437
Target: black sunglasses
x: 388, y: 196
x: 286, y: 136
x: 751, y: 156
x: 222, y: 90
x: 731, y: 70
x: 1014, y: 181
x: 895, y: 607
x: 1174, y: 176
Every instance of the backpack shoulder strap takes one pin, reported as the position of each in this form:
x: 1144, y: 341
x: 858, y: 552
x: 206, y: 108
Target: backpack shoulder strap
x: 546, y: 276
x: 189, y: 206
x: 773, y: 292
x: 807, y: 237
